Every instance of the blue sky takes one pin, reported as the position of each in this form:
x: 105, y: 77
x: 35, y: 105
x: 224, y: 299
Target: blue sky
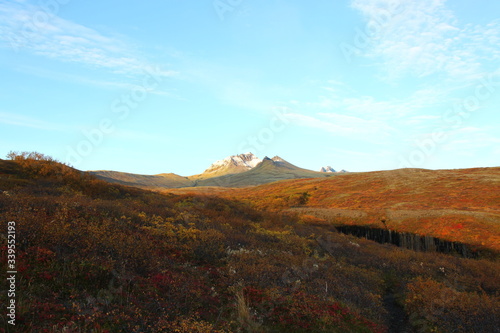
x: 172, y: 86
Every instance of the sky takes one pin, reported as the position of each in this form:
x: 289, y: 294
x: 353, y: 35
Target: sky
x: 172, y: 86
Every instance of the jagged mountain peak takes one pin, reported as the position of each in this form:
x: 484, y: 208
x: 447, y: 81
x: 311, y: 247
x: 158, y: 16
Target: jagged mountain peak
x: 233, y: 164
x: 327, y: 169
x: 248, y: 160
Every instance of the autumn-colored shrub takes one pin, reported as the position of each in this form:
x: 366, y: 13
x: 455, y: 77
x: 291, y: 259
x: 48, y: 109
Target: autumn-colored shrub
x: 435, y: 306
x: 312, y: 220
x: 296, y: 311
x: 187, y: 325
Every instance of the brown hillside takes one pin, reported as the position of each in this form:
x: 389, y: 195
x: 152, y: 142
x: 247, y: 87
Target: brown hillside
x: 151, y: 182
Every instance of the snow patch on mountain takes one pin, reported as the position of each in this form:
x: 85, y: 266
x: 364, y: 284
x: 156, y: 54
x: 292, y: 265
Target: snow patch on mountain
x: 331, y: 170
x: 327, y: 169
x: 247, y: 161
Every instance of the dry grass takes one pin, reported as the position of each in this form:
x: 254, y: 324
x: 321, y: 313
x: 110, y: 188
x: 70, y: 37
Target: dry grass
x: 245, y: 317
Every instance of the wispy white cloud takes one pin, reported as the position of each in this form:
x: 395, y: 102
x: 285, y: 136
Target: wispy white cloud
x: 129, y: 135
x: 346, y: 100
x: 107, y: 83
x: 12, y: 119
x: 54, y: 37
x: 422, y: 38
x: 418, y: 120
x: 345, y: 126
x: 237, y: 86
x: 472, y: 138
x: 465, y: 141
x: 390, y: 121
x: 363, y: 154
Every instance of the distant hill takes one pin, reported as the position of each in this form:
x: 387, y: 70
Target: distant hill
x: 269, y: 170
x: 233, y: 171
x: 164, y: 180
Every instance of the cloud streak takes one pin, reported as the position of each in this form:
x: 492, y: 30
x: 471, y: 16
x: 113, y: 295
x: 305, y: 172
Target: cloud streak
x: 424, y: 38
x: 345, y: 126
x: 66, y: 41
x: 25, y: 121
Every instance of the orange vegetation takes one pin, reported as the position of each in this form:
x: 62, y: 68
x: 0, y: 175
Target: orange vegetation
x: 456, y: 205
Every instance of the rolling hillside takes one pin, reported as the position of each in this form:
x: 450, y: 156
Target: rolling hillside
x: 98, y: 257
x: 152, y: 182
x: 458, y: 205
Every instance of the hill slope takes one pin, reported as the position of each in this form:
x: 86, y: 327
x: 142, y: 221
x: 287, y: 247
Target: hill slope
x: 164, y: 180
x: 457, y: 205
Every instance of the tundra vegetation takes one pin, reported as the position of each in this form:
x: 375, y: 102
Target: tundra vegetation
x: 100, y: 257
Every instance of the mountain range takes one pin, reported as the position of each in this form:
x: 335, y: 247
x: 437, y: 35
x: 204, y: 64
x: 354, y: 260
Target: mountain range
x: 330, y: 169
x: 233, y: 171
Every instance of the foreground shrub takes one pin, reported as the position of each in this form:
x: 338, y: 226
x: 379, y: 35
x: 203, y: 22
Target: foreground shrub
x: 436, y: 307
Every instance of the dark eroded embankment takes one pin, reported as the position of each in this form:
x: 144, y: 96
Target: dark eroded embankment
x: 409, y: 241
